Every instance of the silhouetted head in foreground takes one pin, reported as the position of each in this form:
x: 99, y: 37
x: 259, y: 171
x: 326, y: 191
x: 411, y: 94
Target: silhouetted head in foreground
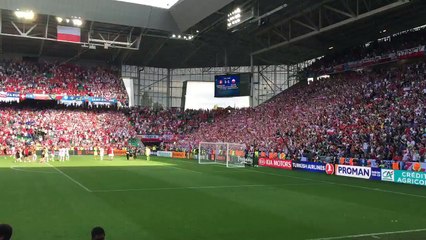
x: 98, y: 233
x: 5, y: 231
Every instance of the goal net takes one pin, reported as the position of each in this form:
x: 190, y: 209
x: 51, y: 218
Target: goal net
x: 212, y: 153
x: 229, y: 154
x: 236, y: 155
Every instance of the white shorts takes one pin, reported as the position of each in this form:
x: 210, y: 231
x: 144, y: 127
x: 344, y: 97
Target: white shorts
x: 111, y: 155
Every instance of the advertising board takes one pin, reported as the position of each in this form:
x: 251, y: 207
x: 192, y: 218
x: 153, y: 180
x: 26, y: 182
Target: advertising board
x: 309, y: 166
x: 353, y: 171
x: 408, y: 177
x: 275, y: 163
x: 164, y: 154
x: 178, y: 155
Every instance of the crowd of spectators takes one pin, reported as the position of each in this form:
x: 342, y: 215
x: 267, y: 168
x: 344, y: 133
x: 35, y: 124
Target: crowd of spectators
x: 55, y: 127
x: 385, y: 45
x: 172, y: 121
x: 376, y: 114
x: 65, y: 79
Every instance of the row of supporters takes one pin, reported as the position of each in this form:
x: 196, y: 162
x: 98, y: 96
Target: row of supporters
x: 272, y: 155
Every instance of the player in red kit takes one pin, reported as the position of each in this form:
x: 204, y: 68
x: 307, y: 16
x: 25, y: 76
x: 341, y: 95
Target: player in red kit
x: 110, y: 153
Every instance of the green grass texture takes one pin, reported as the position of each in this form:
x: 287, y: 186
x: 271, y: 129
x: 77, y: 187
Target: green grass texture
x: 179, y: 199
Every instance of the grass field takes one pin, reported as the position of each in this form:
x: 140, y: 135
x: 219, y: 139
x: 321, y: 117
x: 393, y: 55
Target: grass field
x: 179, y: 199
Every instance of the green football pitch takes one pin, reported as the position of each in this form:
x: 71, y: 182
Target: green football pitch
x: 179, y: 199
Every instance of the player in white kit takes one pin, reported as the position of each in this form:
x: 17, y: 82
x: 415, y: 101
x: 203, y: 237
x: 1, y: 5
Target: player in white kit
x: 61, y: 154
x: 67, y: 153
x: 101, y: 153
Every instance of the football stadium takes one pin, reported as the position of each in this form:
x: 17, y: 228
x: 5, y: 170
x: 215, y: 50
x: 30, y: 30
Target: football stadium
x: 212, y: 119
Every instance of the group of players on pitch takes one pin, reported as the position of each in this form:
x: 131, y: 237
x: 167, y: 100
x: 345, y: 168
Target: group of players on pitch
x: 62, y: 154
x: 101, y: 150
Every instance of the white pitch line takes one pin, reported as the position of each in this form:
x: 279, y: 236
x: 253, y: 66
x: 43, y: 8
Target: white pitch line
x: 198, y: 187
x: 16, y: 168
x: 70, y: 178
x: 370, y: 234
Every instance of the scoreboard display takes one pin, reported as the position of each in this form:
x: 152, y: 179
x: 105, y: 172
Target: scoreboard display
x: 232, y: 85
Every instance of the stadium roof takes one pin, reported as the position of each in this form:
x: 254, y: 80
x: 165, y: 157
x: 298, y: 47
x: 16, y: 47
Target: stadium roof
x: 167, y: 4
x: 300, y: 31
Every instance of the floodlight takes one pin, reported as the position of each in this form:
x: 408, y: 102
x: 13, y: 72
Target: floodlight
x: 234, y: 18
x: 77, y: 22
x: 25, y: 14
x: 186, y: 37
x: 59, y: 19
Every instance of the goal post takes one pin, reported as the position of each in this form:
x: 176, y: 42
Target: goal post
x: 229, y: 154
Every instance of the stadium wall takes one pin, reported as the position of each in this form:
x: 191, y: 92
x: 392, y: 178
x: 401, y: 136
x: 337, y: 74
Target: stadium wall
x: 163, y: 87
x: 10, y: 57
x: 83, y: 62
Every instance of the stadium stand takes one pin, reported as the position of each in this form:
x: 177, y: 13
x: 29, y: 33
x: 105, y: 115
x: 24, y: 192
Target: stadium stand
x: 374, y: 114
x: 386, y: 45
x: 340, y: 116
x: 67, y: 79
x: 62, y: 126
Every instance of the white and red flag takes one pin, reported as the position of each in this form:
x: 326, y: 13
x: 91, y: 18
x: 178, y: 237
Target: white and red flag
x: 70, y: 34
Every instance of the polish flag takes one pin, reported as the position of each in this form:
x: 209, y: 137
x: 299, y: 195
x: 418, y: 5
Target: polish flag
x: 70, y: 34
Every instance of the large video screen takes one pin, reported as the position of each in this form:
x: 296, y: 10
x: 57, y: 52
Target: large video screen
x: 200, y: 95
x: 232, y: 85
